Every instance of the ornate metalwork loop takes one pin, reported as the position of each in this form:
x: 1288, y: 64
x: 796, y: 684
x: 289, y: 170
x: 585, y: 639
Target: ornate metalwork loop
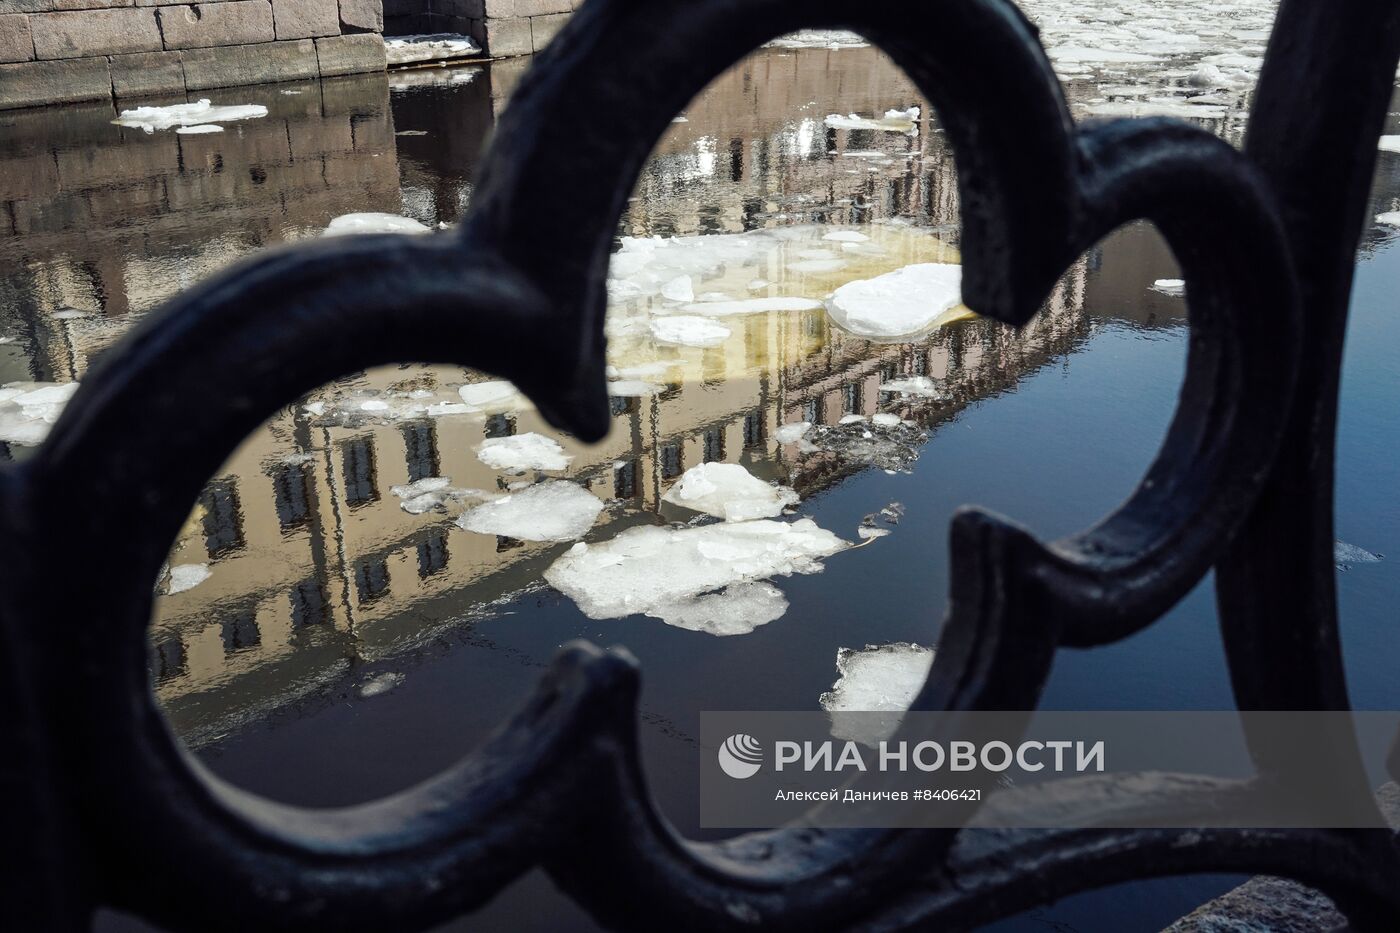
x: 1035, y: 192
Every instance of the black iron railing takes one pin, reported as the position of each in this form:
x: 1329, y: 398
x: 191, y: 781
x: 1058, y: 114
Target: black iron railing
x: 103, y: 807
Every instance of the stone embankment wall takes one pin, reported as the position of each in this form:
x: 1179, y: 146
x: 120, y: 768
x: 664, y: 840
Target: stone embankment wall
x: 54, y: 51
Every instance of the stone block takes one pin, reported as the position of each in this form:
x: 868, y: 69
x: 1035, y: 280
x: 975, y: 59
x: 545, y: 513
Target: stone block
x: 361, y: 16
x: 542, y: 7
x: 349, y: 55
x: 306, y: 19
x: 507, y: 37
x: 87, y: 4
x: 205, y: 25
x: 146, y: 73
x: 29, y: 84
x: 250, y: 64
x: 28, y: 6
x: 543, y: 28
x: 16, y: 41
x: 94, y: 32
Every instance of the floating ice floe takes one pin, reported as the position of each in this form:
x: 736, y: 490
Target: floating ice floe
x: 433, y: 492
x: 885, y: 420
x: 151, y: 119
x: 686, y: 330
x: 903, y: 303
x: 484, y: 396
x: 917, y: 386
x: 28, y: 410
x: 875, y: 679
x: 632, y: 388
x: 734, y: 610
x: 373, y: 222
x: 521, y: 452
x: 380, y: 684
x: 819, y: 39
x: 1183, y: 108
x: 845, y: 236
x: 1347, y: 554
x: 1389, y: 219
x: 1389, y: 143
x: 186, y: 577
x: 894, y: 121
x: 1171, y: 287
x: 647, y: 568
x: 870, y: 532
x: 893, y: 449
x: 1083, y: 55
x: 199, y: 129
x: 792, y: 433
x: 557, y: 510
x: 730, y: 492
x: 403, y: 50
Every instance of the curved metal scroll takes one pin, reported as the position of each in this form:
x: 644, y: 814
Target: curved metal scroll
x: 1260, y: 237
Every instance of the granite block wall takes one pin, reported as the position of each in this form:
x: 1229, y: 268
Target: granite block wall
x: 57, y: 51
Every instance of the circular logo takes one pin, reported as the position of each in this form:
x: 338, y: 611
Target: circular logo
x: 740, y: 756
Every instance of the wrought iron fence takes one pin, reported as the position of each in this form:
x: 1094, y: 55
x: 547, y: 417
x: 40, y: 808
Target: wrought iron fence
x: 103, y: 807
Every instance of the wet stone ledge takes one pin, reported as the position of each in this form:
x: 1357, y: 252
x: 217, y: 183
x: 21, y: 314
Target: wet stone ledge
x: 63, y: 51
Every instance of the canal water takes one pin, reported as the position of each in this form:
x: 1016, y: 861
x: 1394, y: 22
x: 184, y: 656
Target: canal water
x: 382, y: 572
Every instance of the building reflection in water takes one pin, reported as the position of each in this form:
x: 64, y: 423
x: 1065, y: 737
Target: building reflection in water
x: 315, y: 564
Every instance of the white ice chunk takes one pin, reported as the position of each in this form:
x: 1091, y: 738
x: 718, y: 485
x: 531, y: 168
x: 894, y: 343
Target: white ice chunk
x: 845, y: 236
x: 496, y: 393
x: 522, y: 452
x: 919, y: 386
x: 372, y: 222
x: 791, y: 433
x: 380, y: 684
x: 151, y: 119
x: 1344, y: 554
x: 688, y: 331
x: 187, y: 577
x: 402, y: 50
x: 1082, y: 54
x: 1390, y: 143
x: 895, y: 121
x: 886, y: 420
x: 680, y: 288
x: 1170, y: 286
x: 734, y: 610
x: 878, y: 678
x: 553, y: 511
x: 199, y: 129
x: 867, y: 533
x: 816, y: 266
x: 729, y: 491
x: 902, y: 303
x: 647, y: 567
x: 1389, y: 219
x: 29, y: 409
x: 819, y: 39
x: 632, y: 388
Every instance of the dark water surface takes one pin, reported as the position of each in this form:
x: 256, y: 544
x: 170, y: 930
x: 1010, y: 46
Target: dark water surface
x: 320, y: 584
